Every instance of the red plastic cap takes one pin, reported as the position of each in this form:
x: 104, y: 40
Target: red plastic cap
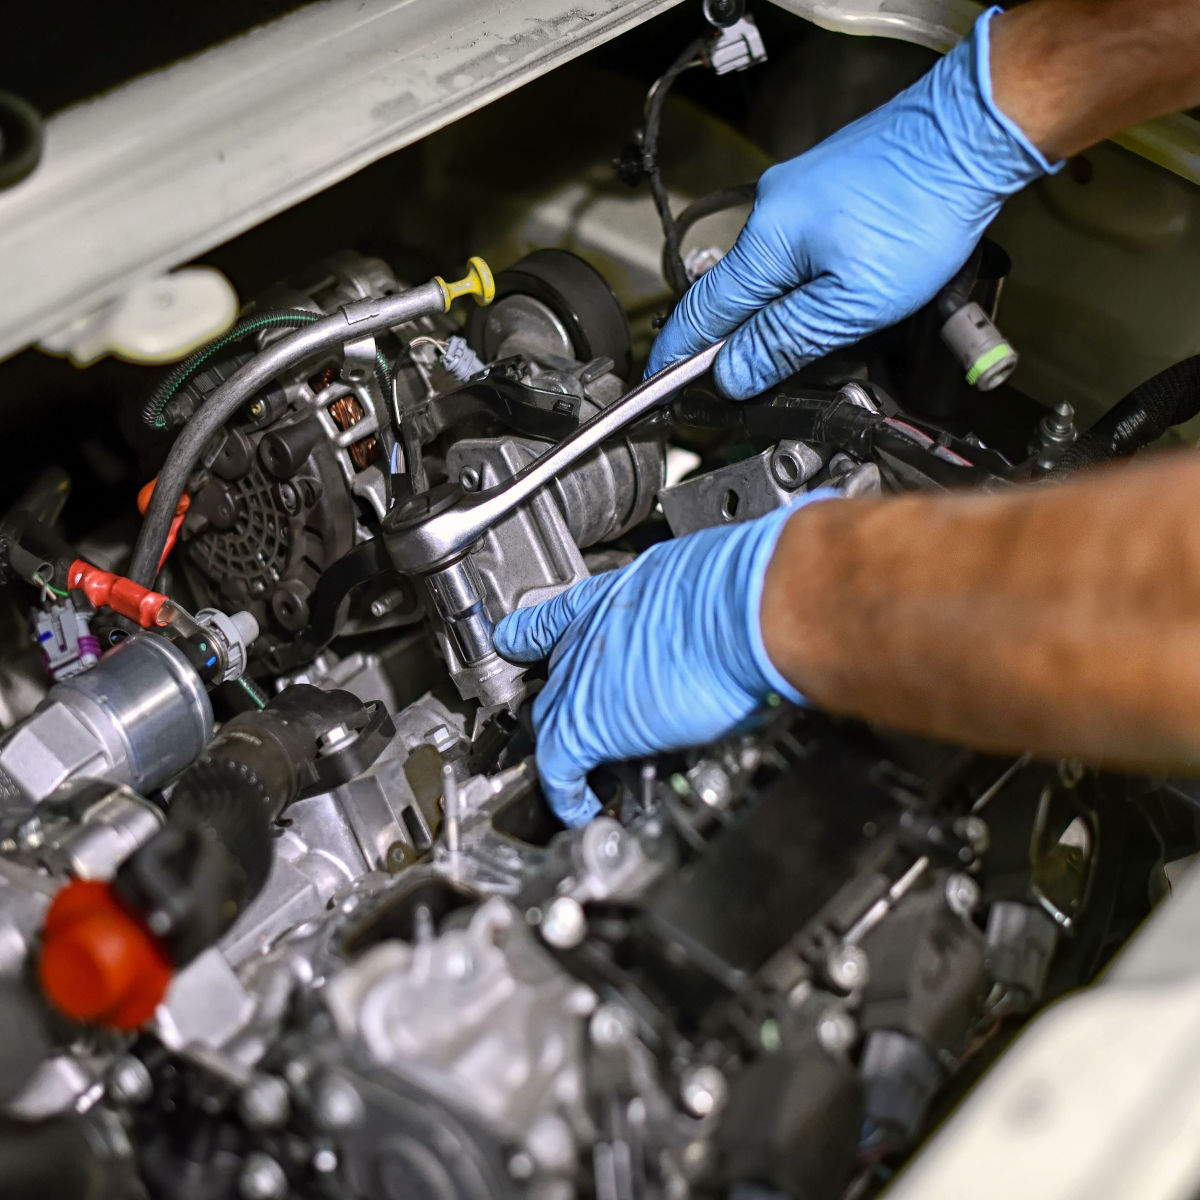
x: 99, y: 963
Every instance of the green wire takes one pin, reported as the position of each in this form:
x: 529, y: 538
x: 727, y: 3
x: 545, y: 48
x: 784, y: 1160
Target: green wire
x: 202, y: 356
x: 252, y: 692
x: 48, y: 586
x: 236, y: 335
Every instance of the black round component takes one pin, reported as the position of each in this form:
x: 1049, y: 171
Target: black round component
x: 20, y: 139
x: 289, y: 603
x: 235, y: 456
x: 285, y: 450
x: 579, y: 297
x: 253, y: 547
x: 262, y: 544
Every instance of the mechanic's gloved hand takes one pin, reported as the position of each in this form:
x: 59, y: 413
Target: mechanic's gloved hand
x: 662, y: 654
x: 860, y: 231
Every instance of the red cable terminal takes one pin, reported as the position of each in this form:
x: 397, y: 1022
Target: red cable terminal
x: 123, y: 596
x: 143, y: 503
x: 99, y: 963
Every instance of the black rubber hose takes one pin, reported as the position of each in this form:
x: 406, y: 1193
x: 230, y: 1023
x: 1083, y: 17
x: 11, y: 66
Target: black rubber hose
x: 154, y: 410
x: 655, y: 99
x: 705, y: 206
x: 1169, y: 398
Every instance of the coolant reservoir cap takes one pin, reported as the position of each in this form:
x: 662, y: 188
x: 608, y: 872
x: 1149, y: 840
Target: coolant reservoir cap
x: 99, y: 963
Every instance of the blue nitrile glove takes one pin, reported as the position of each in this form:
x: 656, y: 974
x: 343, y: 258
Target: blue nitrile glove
x: 860, y: 231
x: 662, y: 654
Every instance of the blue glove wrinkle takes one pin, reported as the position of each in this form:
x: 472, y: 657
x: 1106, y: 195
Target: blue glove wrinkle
x: 663, y: 654
x: 530, y: 634
x: 860, y: 231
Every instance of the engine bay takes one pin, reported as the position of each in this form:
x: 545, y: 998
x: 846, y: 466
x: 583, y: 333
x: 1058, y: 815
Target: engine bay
x: 283, y: 910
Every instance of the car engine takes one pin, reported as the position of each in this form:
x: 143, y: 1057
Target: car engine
x: 283, y: 911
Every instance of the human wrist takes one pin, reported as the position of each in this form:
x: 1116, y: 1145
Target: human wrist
x: 992, y: 148
x: 766, y: 678
x: 994, y: 79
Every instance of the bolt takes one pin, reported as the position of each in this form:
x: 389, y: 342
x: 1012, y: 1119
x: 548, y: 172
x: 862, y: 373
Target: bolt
x: 289, y: 498
x: 391, y: 600
x: 976, y: 831
x: 608, y: 1027
x: 335, y: 738
x: 962, y: 894
x: 550, y: 1143
x: 265, y: 1103
x: 297, y: 1071
x: 337, y: 1104
x: 836, y: 1030
x: 130, y: 1081
x: 610, y: 847
x: 262, y: 1178
x: 703, y: 1091
x: 469, y: 478
x: 258, y: 409
x: 520, y: 1166
x: 711, y: 784
x: 564, y: 924
x: 847, y: 967
x: 398, y: 856
x: 31, y: 834
x: 325, y: 1161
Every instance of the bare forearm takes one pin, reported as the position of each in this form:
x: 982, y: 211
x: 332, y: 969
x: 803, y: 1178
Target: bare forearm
x: 1071, y: 72
x: 1059, y: 619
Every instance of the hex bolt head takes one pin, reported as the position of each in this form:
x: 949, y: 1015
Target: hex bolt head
x: 564, y: 923
x: 262, y: 1178
x: 130, y: 1081
x: 265, y: 1103
x: 289, y: 498
x: 976, y: 831
x: 608, y: 1027
x: 337, y: 1104
x: 962, y: 894
x: 520, y: 1166
x: 703, y: 1090
x: 836, y: 1030
x: 847, y: 967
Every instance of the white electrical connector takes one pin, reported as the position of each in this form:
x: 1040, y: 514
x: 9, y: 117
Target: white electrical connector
x: 460, y: 360
x: 235, y: 633
x: 737, y: 47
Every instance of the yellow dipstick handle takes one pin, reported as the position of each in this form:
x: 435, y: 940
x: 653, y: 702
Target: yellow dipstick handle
x: 477, y: 282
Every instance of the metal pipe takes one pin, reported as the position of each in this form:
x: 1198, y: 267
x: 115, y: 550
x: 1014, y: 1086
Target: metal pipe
x: 419, y: 546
